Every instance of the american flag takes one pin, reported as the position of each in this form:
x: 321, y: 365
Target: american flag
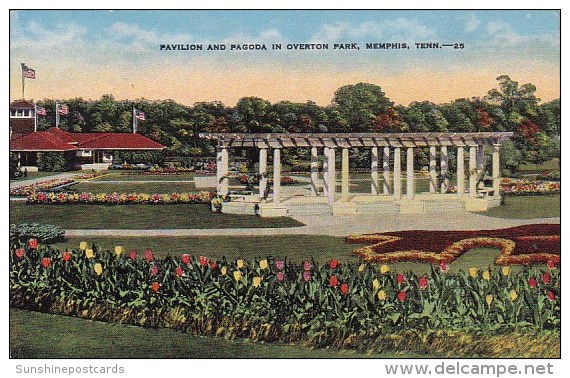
x: 62, y: 109
x: 40, y: 111
x: 140, y: 115
x: 28, y: 72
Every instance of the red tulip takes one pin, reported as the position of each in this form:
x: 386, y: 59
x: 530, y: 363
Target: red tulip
x: 20, y: 252
x: 185, y: 258
x: 133, y: 254
x: 66, y: 256
x: 344, y: 289
x: 33, y: 243
x: 443, y: 266
x: 307, y: 265
x: 203, y: 260
x: 179, y: 271
x: 154, y: 270
x: 148, y: 255
x: 213, y: 265
x: 551, y: 296
x: 532, y: 283
x: 46, y: 262
x: 334, y: 263
x: 423, y: 282
x: 551, y: 264
x: 400, y: 278
x: 279, y: 264
x: 280, y: 276
x: 307, y: 275
x: 402, y: 296
x: 546, y: 278
x: 333, y: 281
x: 155, y: 286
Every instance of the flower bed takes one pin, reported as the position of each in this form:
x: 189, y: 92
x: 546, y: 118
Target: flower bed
x: 87, y: 176
x: 285, y: 180
x: 529, y: 187
x: 42, y: 198
x: 157, y: 171
x: 270, y: 299
x: 27, y: 190
x: 529, y: 244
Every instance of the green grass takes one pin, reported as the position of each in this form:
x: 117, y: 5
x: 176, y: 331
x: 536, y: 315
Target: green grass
x: 526, y: 207
x: 134, y: 187
x: 551, y: 165
x: 117, y: 176
x: 38, y: 335
x: 138, y: 217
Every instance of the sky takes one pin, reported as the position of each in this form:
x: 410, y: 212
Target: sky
x: 91, y: 53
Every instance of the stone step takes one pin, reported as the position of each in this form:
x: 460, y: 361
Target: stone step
x: 443, y: 206
x: 314, y: 209
x: 377, y: 208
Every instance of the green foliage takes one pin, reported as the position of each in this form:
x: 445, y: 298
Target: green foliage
x: 53, y: 161
x: 46, y: 233
x: 15, y: 170
x: 136, y: 157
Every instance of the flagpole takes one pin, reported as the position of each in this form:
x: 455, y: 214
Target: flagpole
x: 23, y: 80
x: 35, y: 117
x: 134, y: 121
x: 56, y: 115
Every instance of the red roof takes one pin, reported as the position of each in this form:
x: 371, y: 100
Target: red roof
x: 21, y: 104
x: 55, y: 139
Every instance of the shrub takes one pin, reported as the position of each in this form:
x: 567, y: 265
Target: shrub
x: 52, y: 162
x: 46, y: 233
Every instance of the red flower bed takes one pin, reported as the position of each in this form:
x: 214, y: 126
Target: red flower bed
x: 537, y: 243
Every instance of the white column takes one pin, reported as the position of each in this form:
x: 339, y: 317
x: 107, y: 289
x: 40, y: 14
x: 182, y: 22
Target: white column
x: 481, y: 163
x: 374, y: 190
x: 460, y: 171
x: 276, y: 175
x: 225, y: 171
x: 496, y: 169
x: 432, y: 170
x: 386, y: 170
x: 332, y: 175
x: 410, y: 184
x: 314, y: 170
x: 345, y: 174
x: 397, y: 173
x: 473, y: 171
x: 262, y: 171
x: 326, y: 172
x: 220, y: 152
x: 444, y: 169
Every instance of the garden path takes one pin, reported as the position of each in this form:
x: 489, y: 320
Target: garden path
x: 340, y: 226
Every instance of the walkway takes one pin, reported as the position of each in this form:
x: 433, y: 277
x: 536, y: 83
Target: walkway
x: 64, y: 175
x: 340, y: 226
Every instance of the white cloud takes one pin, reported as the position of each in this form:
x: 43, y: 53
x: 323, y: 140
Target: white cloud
x: 35, y: 36
x: 503, y: 34
x: 472, y: 23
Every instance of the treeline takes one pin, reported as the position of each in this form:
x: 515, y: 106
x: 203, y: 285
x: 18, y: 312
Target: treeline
x: 354, y: 108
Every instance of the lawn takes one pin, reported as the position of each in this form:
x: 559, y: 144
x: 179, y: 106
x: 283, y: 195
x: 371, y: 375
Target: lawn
x: 138, y: 217
x: 526, y: 207
x: 134, y: 187
x: 118, y: 176
x: 551, y: 165
x: 38, y: 335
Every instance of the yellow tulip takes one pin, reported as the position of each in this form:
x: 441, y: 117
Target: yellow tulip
x: 486, y: 275
x: 83, y: 245
x: 506, y: 270
x: 361, y: 268
x: 489, y: 299
x: 237, y: 275
x: 89, y: 253
x: 382, y: 295
x: 223, y: 271
x: 240, y: 264
x: 514, y: 295
x: 98, y: 268
x: 256, y: 281
x: 263, y: 264
x: 376, y: 284
x: 384, y: 269
x: 118, y: 250
x: 473, y: 272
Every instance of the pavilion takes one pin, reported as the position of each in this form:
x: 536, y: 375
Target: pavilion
x: 390, y: 196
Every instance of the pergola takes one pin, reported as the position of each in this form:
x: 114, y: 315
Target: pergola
x: 388, y: 144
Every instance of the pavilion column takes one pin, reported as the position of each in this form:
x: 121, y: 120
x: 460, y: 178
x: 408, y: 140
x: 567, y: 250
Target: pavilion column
x: 481, y: 162
x: 374, y: 190
x: 326, y: 171
x: 432, y: 170
x: 277, y: 175
x: 496, y: 169
x: 410, y: 183
x: 262, y: 171
x: 444, y: 168
x: 460, y: 171
x: 345, y: 175
x: 386, y: 171
x: 222, y: 169
x: 397, y: 173
x: 332, y: 175
x: 314, y: 170
x: 473, y: 171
